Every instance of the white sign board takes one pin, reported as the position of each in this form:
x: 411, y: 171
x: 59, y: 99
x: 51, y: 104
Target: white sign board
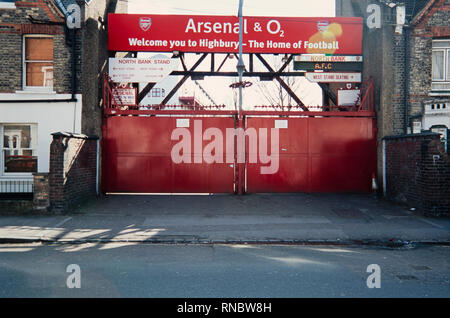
x: 348, y: 97
x: 281, y: 123
x: 140, y: 70
x: 182, y: 122
x: 327, y: 58
x: 124, y: 96
x: 333, y: 77
x: 417, y: 127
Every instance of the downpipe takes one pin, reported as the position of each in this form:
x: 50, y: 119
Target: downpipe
x: 406, y: 88
x: 97, y: 158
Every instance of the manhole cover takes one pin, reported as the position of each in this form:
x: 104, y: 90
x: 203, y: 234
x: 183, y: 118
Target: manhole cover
x: 407, y: 277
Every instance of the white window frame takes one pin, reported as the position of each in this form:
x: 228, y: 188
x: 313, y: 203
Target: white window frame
x: 38, y: 89
x: 34, y: 148
x: 436, y: 47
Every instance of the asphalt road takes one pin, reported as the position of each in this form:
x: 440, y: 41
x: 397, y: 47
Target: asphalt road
x: 226, y: 271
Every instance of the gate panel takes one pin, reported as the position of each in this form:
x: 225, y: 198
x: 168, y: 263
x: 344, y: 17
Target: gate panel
x: 343, y: 154
x: 292, y: 174
x: 137, y: 157
x: 335, y: 154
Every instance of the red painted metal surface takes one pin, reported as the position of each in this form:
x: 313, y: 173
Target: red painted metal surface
x: 367, y: 96
x: 280, y: 35
x: 264, y: 113
x: 137, y: 157
x: 318, y: 155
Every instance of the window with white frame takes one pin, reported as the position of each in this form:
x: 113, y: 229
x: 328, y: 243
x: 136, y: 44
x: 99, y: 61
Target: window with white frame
x: 441, y: 66
x: 19, y: 148
x: 38, y: 61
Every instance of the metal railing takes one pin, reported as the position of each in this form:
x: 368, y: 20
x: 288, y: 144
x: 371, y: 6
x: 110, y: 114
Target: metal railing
x: 112, y: 103
x: 16, y: 186
x: 367, y: 96
x: 109, y: 100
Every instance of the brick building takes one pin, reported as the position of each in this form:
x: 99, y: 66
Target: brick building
x: 406, y: 47
x: 51, y: 80
x: 399, y: 58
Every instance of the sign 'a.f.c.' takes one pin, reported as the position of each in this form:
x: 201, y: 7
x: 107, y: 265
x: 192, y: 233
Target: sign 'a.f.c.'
x: 220, y: 34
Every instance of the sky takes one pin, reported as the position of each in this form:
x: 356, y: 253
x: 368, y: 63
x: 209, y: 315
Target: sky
x: 300, y: 8
x: 260, y: 93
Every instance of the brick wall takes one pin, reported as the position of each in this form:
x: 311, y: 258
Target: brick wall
x: 418, y: 172
x: 73, y: 170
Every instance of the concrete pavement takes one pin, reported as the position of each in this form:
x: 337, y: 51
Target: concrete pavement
x: 261, y: 218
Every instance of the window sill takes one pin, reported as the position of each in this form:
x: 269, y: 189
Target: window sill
x: 17, y: 175
x: 439, y: 93
x: 36, y: 90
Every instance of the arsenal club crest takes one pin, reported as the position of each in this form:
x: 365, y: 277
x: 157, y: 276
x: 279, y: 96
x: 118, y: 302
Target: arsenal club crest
x: 145, y: 23
x: 322, y: 26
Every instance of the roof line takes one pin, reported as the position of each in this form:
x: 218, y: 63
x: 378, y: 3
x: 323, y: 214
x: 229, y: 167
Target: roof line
x: 422, y: 12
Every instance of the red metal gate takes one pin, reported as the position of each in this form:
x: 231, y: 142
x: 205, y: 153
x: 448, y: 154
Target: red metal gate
x: 137, y: 156
x: 314, y: 154
x: 325, y: 154
x: 331, y: 151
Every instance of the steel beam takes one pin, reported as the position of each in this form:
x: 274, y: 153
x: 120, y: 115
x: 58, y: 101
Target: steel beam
x: 144, y: 92
x: 181, y: 82
x: 233, y: 74
x: 328, y: 92
x: 282, y: 83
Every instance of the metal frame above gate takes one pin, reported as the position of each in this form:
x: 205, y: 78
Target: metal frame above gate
x: 365, y: 100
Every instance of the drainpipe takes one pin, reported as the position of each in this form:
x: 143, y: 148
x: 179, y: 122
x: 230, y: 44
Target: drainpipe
x: 74, y: 69
x: 403, y: 27
x: 406, y: 93
x: 240, y: 65
x: 384, y: 167
x: 97, y: 158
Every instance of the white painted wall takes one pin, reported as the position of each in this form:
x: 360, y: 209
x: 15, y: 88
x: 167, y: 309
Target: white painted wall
x: 436, y: 119
x: 50, y: 117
